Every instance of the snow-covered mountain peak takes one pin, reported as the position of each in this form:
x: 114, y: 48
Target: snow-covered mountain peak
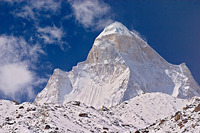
x: 119, y: 67
x: 57, y: 71
x: 115, y: 28
x: 115, y: 41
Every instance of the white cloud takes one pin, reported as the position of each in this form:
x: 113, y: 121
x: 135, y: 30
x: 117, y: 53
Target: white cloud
x: 51, y: 35
x: 14, y: 77
x: 17, y: 74
x: 46, y: 5
x: 138, y: 33
x: 32, y: 8
x: 13, y: 49
x: 91, y: 13
x: 26, y: 12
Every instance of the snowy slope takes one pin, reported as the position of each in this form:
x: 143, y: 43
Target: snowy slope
x: 184, y: 121
x: 131, y: 115
x: 119, y: 66
x: 58, y: 86
x: 144, y: 109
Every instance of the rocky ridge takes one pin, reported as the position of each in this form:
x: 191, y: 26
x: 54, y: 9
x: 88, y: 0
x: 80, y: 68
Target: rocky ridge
x: 183, y: 121
x: 75, y: 116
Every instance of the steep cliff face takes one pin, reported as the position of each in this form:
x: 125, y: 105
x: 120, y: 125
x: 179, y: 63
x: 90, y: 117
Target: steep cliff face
x: 57, y: 87
x: 119, y: 66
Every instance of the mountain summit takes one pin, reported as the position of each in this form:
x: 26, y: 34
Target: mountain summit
x: 119, y: 66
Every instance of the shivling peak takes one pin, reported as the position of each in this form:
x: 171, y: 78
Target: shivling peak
x: 116, y: 28
x: 119, y: 67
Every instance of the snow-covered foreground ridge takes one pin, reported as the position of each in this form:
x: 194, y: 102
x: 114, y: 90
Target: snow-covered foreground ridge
x: 129, y: 116
x: 119, y: 66
x: 183, y: 121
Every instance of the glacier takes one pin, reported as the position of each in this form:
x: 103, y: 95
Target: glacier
x: 120, y: 66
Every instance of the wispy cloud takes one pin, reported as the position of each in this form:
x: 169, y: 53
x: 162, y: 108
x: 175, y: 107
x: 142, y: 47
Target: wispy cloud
x: 52, y: 35
x: 18, y: 58
x: 91, y: 13
x: 26, y: 12
x: 46, y: 5
x: 33, y: 7
x: 35, y: 11
x: 138, y: 33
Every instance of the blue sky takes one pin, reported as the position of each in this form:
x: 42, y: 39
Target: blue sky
x: 38, y: 36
